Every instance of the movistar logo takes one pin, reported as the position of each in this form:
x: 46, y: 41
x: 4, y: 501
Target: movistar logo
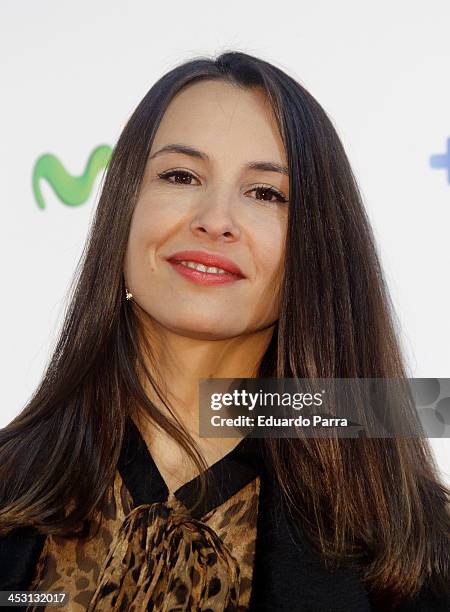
x: 71, y: 190
x: 442, y: 160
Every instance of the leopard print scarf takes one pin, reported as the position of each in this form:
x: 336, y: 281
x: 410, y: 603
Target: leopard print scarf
x: 157, y: 555
x: 163, y: 557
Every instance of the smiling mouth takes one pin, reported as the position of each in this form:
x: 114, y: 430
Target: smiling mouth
x: 201, y: 267
x: 203, y: 275
x: 213, y: 263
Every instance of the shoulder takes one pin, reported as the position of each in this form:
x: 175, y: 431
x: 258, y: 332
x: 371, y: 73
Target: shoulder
x: 426, y: 601
x: 290, y: 575
x: 19, y: 553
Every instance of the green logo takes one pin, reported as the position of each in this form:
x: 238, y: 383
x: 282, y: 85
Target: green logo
x: 71, y: 190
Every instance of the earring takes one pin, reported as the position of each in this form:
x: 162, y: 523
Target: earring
x: 128, y: 295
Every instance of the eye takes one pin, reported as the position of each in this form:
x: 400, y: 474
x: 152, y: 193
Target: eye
x: 268, y: 193
x: 184, y: 176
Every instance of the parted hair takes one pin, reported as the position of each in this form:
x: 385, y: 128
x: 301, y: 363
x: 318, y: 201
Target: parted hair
x: 376, y: 501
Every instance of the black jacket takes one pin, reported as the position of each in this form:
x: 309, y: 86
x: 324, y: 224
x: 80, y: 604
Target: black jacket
x: 288, y: 575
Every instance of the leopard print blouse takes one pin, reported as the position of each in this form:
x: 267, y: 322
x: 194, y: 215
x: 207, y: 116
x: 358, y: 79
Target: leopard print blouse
x: 151, y: 551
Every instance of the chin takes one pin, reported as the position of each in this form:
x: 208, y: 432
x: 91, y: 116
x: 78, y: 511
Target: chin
x: 207, y: 329
x: 205, y: 335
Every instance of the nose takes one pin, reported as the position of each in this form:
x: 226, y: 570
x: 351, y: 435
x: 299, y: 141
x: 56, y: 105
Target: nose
x: 214, y: 218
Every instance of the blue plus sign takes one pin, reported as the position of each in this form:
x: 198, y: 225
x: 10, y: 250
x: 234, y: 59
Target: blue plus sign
x: 442, y: 161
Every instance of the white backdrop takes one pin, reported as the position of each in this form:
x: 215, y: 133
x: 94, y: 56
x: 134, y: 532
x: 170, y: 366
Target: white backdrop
x: 72, y: 73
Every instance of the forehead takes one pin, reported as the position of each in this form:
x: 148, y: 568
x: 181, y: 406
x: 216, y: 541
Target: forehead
x: 212, y: 115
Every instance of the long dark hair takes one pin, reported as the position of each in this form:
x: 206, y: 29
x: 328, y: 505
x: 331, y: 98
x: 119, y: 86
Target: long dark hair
x: 375, y: 500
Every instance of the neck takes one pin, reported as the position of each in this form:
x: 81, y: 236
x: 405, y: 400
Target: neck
x: 182, y: 361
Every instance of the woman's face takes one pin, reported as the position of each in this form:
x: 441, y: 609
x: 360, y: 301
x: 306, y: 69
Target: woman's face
x: 224, y: 195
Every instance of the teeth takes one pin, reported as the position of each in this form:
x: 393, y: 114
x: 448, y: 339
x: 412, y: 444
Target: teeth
x: 201, y: 268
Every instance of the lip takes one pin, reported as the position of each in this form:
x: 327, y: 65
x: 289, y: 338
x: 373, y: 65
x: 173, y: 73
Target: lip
x: 232, y: 271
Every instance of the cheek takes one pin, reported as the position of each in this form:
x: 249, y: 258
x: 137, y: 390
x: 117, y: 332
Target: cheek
x: 269, y: 252
x: 151, y: 226
x: 269, y: 258
x: 142, y: 240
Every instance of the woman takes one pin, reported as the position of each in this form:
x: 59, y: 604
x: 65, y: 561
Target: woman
x: 230, y: 240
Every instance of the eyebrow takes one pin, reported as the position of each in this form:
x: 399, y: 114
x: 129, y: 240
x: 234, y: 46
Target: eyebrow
x: 266, y: 166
